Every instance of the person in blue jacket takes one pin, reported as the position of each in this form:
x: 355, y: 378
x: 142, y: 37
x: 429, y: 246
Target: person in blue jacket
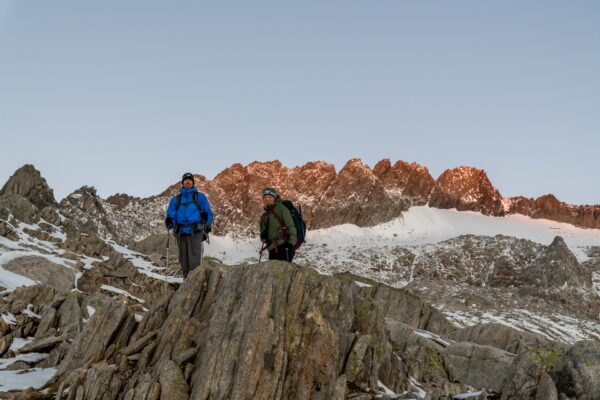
x: 190, y: 216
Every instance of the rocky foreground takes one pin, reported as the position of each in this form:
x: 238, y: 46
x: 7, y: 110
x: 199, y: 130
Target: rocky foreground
x: 280, y: 331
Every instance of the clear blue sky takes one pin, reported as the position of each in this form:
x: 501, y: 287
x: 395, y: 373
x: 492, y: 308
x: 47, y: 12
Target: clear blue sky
x: 128, y: 95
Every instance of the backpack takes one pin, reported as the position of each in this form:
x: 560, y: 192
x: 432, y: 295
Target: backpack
x: 298, y: 222
x: 203, y: 215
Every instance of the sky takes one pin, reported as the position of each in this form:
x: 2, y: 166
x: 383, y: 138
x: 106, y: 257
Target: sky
x: 126, y: 96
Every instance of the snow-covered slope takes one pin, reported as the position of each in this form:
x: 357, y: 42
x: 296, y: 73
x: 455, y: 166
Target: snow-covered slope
x: 419, y: 226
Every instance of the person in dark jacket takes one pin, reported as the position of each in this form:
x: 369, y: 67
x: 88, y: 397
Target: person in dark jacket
x: 277, y: 229
x: 189, y: 214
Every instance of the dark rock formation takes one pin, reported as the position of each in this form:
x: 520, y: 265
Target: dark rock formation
x: 28, y: 182
x: 557, y: 266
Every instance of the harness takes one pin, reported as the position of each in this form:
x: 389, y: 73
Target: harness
x: 284, y: 230
x: 203, y: 216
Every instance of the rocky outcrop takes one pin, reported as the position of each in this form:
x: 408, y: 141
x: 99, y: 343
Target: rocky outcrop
x: 549, y: 207
x: 546, y: 373
x: 267, y: 331
x: 86, y: 213
x: 8, y: 231
x: 502, y: 337
x: 358, y: 197
x: 409, y: 180
x: 556, y: 267
x: 121, y: 200
x: 577, y: 375
x: 499, y: 261
x: 401, y: 305
x: 119, y: 273
x: 41, y: 270
x: 477, y: 365
x: 110, y: 326
x: 15, y: 207
x: 279, y: 331
x: 27, y: 182
x: 466, y: 189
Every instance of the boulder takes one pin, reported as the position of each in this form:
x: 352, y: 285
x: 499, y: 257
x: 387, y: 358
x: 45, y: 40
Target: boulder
x: 526, y: 376
x: 578, y: 374
x: 42, y: 270
x: 478, y: 366
x: 98, y: 334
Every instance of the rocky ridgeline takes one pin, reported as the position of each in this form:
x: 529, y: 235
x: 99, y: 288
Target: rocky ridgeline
x: 357, y: 194
x: 280, y: 331
x: 366, y: 196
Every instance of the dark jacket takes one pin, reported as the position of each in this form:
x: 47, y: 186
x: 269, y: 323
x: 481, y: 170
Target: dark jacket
x: 272, y: 223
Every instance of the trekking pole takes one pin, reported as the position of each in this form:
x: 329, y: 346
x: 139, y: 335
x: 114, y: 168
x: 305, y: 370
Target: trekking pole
x: 201, y: 253
x: 260, y: 252
x: 168, y: 237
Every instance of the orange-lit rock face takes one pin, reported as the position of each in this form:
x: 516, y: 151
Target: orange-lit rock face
x: 466, y: 189
x: 357, y: 194
x: 412, y: 179
x: 365, y: 196
x: 549, y: 207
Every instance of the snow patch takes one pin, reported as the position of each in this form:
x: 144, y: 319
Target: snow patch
x: 122, y: 292
x: 385, y: 390
x: 29, y: 312
x: 417, y: 386
x: 23, y: 379
x: 432, y: 336
x: 29, y: 358
x: 9, y: 318
x: 468, y: 395
x: 144, y: 266
x: 91, y: 311
x: 18, y: 343
x: 556, y: 327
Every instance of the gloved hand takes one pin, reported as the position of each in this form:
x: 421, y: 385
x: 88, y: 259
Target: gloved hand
x: 207, y: 228
x: 169, y: 223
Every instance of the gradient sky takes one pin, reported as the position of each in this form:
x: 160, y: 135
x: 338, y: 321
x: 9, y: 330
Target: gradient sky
x: 128, y: 95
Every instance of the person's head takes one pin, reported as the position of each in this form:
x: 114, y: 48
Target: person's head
x: 187, y: 180
x: 269, y: 196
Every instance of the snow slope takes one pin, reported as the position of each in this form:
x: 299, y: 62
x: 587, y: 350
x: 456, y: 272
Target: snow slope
x: 419, y: 226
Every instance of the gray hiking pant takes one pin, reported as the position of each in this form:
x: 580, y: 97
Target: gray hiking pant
x: 190, y: 252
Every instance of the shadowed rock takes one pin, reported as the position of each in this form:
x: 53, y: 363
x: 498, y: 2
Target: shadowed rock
x: 556, y: 267
x: 28, y: 183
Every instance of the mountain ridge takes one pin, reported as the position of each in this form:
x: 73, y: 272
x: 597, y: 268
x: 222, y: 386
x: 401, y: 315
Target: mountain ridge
x: 357, y: 194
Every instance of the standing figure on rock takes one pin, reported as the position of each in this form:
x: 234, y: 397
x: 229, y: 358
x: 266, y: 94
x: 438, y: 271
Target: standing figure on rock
x: 190, y: 216
x: 277, y: 229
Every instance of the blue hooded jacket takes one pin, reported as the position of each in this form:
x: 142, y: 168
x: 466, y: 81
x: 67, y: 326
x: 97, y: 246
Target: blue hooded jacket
x: 188, y: 214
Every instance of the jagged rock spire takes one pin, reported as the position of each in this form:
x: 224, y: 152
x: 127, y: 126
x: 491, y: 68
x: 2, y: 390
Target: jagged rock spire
x: 29, y: 183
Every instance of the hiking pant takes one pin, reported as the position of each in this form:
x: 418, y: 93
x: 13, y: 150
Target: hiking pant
x: 285, y: 252
x: 190, y: 252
